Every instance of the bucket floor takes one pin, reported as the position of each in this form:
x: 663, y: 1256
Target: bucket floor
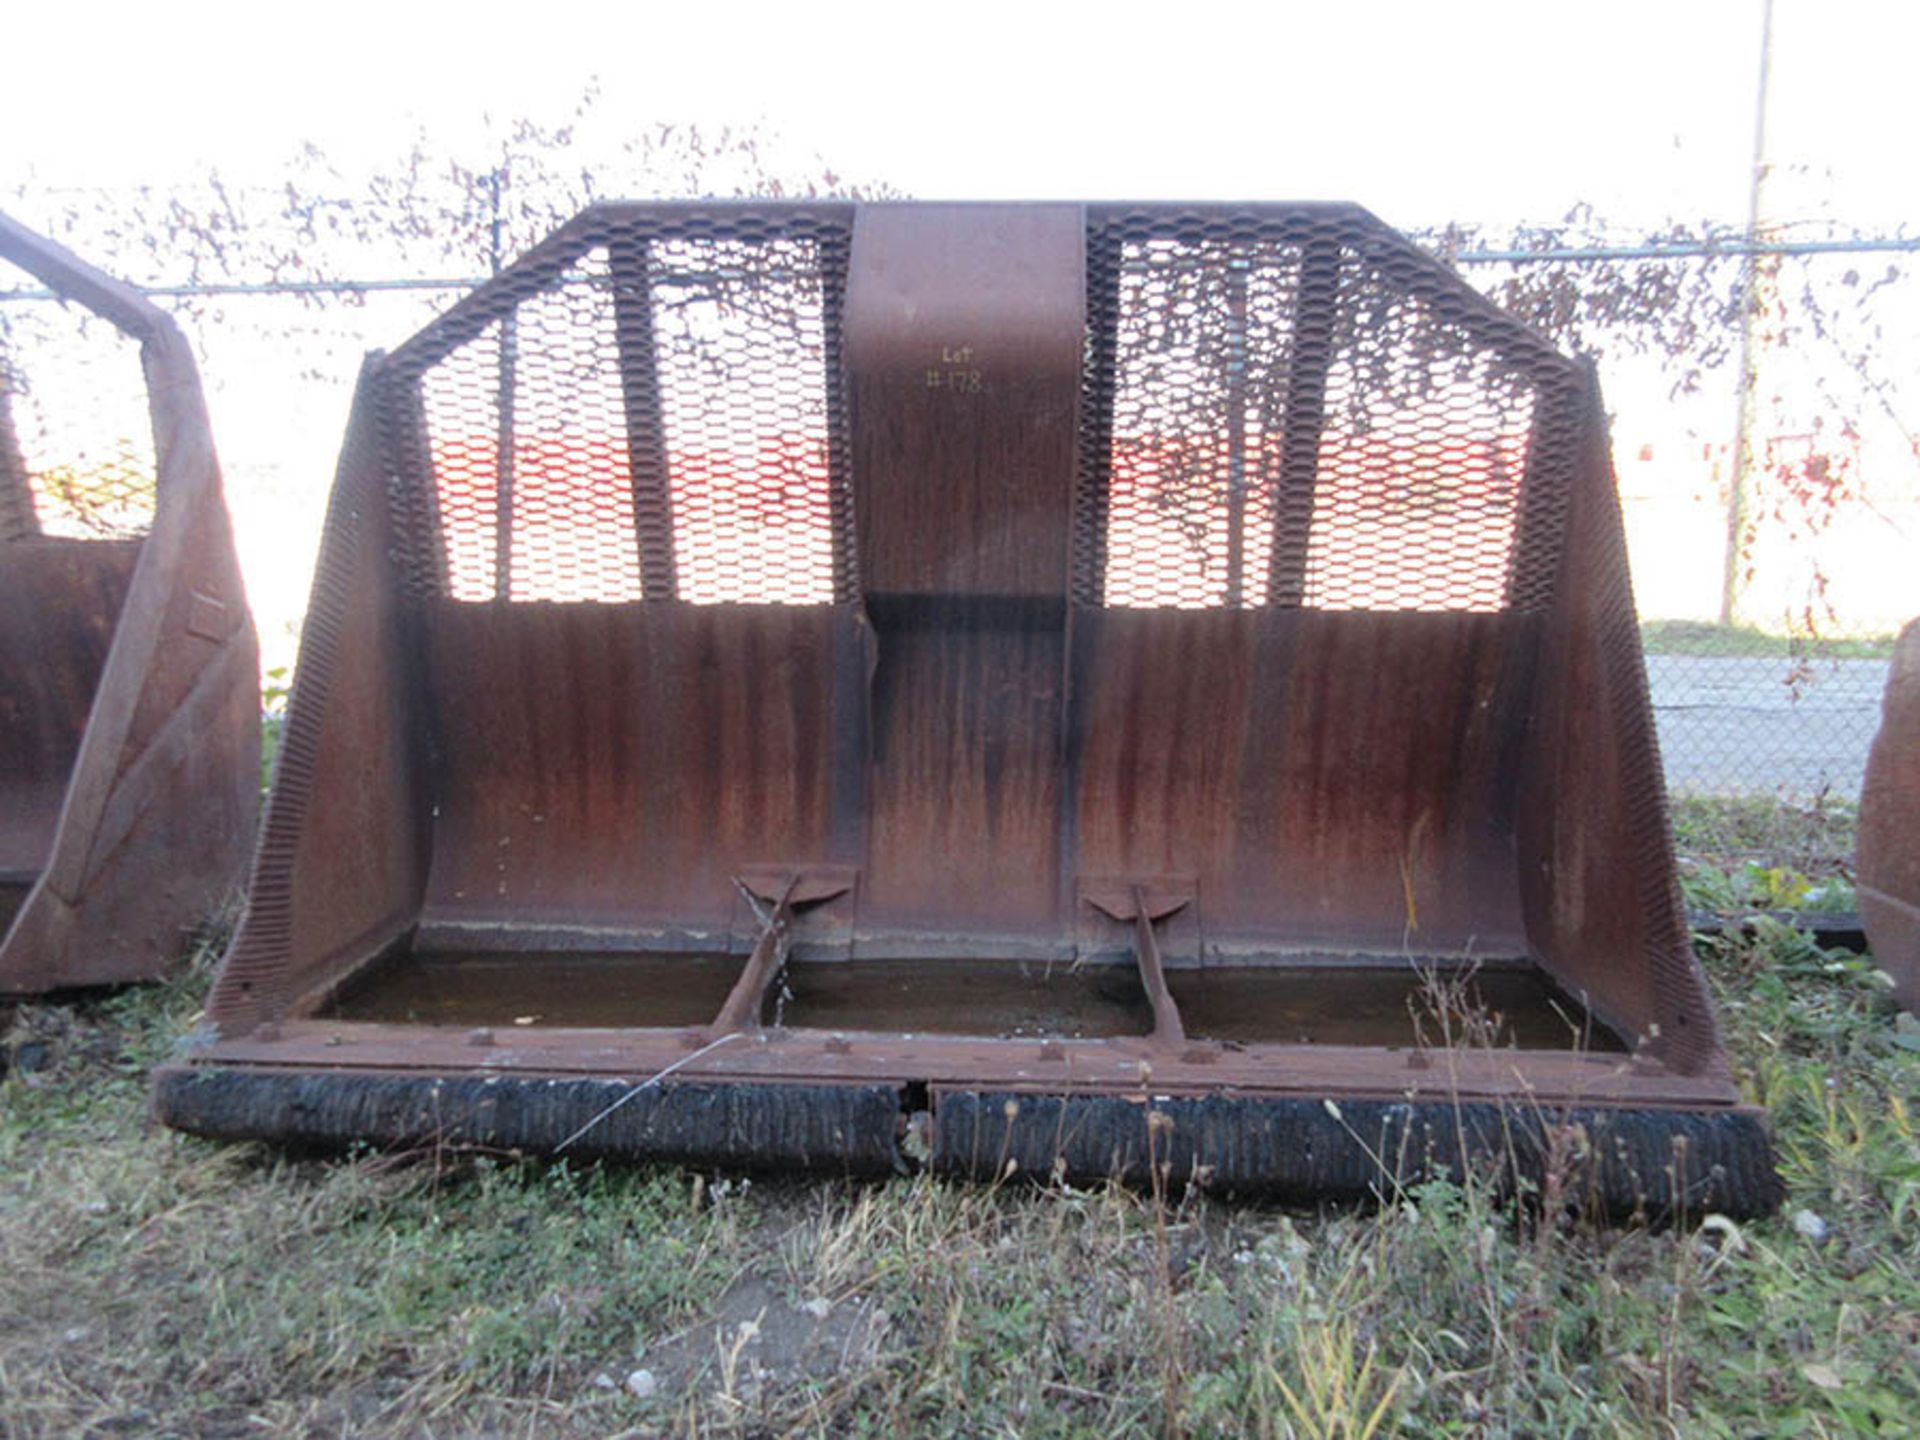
x: 1505, y: 1006
x: 1001, y: 999
x: 566, y: 988
x: 1370, y: 1005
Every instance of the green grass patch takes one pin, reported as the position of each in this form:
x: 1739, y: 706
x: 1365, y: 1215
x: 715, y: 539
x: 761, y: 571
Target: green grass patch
x: 1742, y: 854
x: 1705, y: 638
x: 1747, y: 853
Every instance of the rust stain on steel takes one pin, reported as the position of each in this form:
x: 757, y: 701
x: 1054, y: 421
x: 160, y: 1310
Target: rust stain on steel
x: 1888, y: 863
x: 964, y: 327
x: 951, y: 635
x: 1109, y: 1063
x: 129, y: 689
x: 619, y: 765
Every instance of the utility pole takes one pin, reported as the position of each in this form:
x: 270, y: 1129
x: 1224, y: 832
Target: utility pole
x: 1730, y: 576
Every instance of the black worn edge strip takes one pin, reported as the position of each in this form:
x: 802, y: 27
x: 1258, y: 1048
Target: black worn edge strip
x: 1660, y: 1164
x: 1649, y: 1162
x: 846, y: 1129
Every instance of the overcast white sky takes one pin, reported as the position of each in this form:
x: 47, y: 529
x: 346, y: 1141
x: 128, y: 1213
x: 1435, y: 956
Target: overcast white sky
x: 1483, y: 109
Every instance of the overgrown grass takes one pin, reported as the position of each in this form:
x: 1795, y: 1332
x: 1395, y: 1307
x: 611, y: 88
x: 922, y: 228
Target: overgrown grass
x: 1743, y: 853
x: 160, y: 1285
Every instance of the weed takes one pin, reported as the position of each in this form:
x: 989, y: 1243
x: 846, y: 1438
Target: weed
x: 1815, y: 838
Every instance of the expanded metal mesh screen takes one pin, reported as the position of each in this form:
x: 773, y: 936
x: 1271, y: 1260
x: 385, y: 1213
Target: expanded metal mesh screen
x: 76, y: 437
x: 652, y: 411
x: 1281, y: 408
x: 1293, y: 409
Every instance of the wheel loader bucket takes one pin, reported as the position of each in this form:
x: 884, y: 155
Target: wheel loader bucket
x: 1888, y: 863
x: 1093, y: 689
x: 129, y: 675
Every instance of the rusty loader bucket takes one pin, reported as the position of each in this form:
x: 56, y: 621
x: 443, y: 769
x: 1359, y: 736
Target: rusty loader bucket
x: 1090, y: 688
x: 129, y: 676
x: 1888, y: 863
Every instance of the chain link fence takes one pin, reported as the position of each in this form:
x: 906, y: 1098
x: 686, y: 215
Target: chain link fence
x: 1773, y: 533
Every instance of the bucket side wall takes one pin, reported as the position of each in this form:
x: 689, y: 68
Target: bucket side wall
x: 1597, y: 875
x: 343, y: 849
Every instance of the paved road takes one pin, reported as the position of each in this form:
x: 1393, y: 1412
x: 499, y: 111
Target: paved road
x: 1739, y: 724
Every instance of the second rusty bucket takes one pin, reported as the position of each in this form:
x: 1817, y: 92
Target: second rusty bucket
x: 129, y: 675
x: 1093, y: 689
x: 1887, y: 862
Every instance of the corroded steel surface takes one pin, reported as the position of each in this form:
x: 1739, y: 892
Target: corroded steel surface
x: 1168, y: 595
x: 1888, y: 864
x: 129, y: 676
